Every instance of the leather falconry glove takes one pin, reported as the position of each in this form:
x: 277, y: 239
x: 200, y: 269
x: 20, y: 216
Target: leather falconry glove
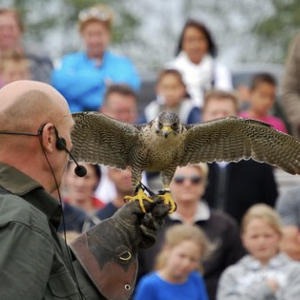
x: 108, y: 251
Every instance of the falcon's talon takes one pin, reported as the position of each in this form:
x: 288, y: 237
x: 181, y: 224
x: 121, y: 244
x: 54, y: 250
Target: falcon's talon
x: 139, y: 196
x: 167, y: 198
x: 163, y: 192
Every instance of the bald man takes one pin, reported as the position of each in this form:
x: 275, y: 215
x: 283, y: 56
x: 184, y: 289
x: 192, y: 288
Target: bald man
x: 35, y: 262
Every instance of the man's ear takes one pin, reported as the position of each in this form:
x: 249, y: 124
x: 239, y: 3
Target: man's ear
x: 48, y: 137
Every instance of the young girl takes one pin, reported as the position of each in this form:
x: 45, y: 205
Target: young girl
x: 265, y: 273
x: 171, y: 95
x: 177, y: 273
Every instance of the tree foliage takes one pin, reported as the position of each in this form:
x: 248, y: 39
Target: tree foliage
x: 274, y: 32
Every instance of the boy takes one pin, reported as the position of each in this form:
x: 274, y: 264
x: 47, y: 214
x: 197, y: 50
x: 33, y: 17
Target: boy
x: 262, y: 97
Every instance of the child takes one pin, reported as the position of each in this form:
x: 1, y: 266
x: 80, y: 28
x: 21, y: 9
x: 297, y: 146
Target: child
x: 177, y: 273
x: 13, y: 67
x: 171, y: 95
x: 265, y: 273
x: 262, y: 97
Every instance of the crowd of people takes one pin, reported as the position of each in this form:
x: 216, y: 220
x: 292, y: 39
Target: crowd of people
x: 233, y: 235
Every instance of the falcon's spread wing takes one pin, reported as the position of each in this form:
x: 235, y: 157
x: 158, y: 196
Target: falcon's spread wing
x: 100, y: 139
x: 234, y: 138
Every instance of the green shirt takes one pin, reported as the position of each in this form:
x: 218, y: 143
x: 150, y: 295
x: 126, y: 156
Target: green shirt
x: 34, y: 259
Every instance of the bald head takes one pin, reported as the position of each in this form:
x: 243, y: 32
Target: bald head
x: 25, y: 105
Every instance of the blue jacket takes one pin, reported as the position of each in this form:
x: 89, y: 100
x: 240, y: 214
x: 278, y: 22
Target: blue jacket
x: 83, y: 84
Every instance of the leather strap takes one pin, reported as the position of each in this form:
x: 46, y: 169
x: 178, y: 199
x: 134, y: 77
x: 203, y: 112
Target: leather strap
x: 115, y: 279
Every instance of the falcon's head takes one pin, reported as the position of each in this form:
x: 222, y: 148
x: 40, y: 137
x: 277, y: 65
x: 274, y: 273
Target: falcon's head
x: 167, y: 123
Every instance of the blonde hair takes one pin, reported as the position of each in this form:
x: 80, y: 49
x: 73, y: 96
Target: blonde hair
x: 180, y: 233
x: 100, y: 13
x: 203, y: 168
x: 265, y: 213
x: 14, y: 57
x: 15, y: 14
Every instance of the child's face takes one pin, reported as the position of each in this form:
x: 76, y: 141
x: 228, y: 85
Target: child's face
x: 261, y: 240
x: 218, y: 108
x: 182, y: 260
x: 171, y: 90
x: 262, y: 98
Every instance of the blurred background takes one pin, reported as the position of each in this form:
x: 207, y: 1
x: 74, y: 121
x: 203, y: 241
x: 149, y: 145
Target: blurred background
x: 246, y: 31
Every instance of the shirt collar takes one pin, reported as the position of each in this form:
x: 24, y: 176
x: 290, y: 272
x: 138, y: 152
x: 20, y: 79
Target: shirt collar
x: 275, y: 262
x: 20, y: 184
x: 202, y: 213
x: 103, y: 60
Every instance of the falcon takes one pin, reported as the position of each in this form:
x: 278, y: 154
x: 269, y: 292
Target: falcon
x: 165, y: 143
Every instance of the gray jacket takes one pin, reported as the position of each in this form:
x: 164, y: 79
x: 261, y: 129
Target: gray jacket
x: 246, y: 280
x: 288, y: 207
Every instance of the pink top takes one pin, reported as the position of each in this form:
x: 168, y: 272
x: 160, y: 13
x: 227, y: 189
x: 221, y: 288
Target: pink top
x: 274, y: 121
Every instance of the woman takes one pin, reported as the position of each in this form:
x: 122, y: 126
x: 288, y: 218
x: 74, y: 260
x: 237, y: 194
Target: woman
x: 83, y: 76
x: 195, y: 59
x: 11, y: 41
x: 79, y: 191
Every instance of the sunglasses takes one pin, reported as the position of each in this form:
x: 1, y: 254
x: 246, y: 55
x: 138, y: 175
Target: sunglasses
x: 194, y: 179
x: 93, y: 12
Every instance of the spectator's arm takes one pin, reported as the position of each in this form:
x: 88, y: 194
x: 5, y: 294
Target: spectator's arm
x: 290, y: 243
x: 269, y: 185
x: 291, y: 87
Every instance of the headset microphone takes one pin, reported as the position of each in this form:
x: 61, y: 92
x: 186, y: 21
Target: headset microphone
x: 80, y: 170
x: 61, y: 144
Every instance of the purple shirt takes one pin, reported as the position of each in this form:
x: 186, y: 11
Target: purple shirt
x: 274, y: 121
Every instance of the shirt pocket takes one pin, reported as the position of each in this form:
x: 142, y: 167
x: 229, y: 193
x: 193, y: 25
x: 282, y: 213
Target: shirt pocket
x: 62, y: 286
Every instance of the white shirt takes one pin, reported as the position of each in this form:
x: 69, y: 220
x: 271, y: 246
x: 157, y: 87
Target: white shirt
x: 198, y: 77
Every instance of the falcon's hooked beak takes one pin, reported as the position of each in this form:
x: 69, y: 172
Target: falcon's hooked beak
x: 166, y: 124
x: 166, y: 130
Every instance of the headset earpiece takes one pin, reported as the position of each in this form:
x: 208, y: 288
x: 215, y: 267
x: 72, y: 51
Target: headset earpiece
x: 61, y: 143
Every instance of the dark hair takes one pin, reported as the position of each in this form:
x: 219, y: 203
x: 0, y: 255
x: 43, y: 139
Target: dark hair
x: 220, y: 95
x: 212, y: 48
x: 122, y: 89
x: 16, y: 16
x: 262, y: 78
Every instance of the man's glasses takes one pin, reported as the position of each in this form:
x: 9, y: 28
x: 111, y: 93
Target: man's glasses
x: 93, y: 12
x: 194, y: 179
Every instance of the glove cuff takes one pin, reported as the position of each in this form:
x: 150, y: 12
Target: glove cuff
x: 116, y: 277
